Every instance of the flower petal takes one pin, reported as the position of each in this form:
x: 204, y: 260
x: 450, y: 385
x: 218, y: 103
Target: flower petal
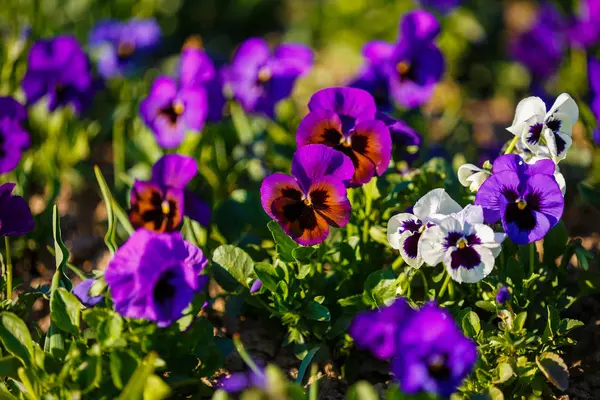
x: 431, y: 245
x: 251, y: 54
x: 275, y: 186
x: 156, y: 209
x: 565, y: 109
x: 320, y: 126
x: 399, y: 224
x: 490, y: 192
x: 436, y: 202
x: 15, y: 215
x: 529, y: 111
x: 314, y: 161
x: 196, y: 209
x: 378, y: 52
x: 196, y: 68
x: 419, y: 25
x: 350, y: 102
x: 174, y: 170
x: 328, y: 196
x: 372, y: 139
x: 459, y: 263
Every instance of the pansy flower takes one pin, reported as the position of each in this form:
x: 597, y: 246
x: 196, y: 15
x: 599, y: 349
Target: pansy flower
x: 345, y: 119
x: 15, y: 215
x: 154, y: 276
x: 585, y: 31
x: 373, y: 75
x: 123, y: 45
x: 82, y: 291
x: 14, y: 140
x: 314, y: 199
x: 526, y: 198
x: 465, y: 245
x: 239, y: 381
x: 376, y: 331
x: 59, y: 69
x: 160, y: 204
x: 546, y: 134
x: 434, y: 355
x: 472, y: 176
x: 404, y: 231
x: 503, y: 295
x: 259, y: 78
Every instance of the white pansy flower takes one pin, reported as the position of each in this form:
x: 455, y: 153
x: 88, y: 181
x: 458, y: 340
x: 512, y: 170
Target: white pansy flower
x: 404, y: 230
x: 472, y: 176
x: 465, y: 245
x: 546, y: 133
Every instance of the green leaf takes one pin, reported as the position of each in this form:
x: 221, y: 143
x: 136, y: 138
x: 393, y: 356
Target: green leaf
x: 108, y: 331
x: 90, y: 374
x: 380, y: 287
x: 98, y: 287
x: 285, y: 244
x: 567, y: 324
x: 16, y: 338
x: 134, y: 390
x: 303, y: 254
x: 220, y: 395
x: 495, y: 393
x: 471, y: 324
x: 362, y: 391
x: 5, y: 394
x: 110, y: 237
x: 503, y: 372
x: 65, y: 311
x: 236, y: 262
x: 379, y: 235
x: 267, y: 275
x: 61, y: 252
x: 555, y: 242
x: 515, y: 272
x: 156, y: 389
x: 305, y: 363
x: 303, y: 271
x: 583, y: 257
x: 352, y: 301
x: 9, y: 367
x: 520, y: 320
x: 489, y: 306
x: 589, y: 194
x: 317, y: 312
x: 122, y: 367
x: 554, y: 369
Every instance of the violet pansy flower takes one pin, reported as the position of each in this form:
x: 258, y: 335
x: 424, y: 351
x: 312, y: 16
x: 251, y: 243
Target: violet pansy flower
x: 15, y: 215
x: 315, y: 198
x: 503, y: 295
x: 465, y: 245
x: 404, y: 231
x: 526, y: 198
x: 373, y: 75
x: 585, y: 31
x: 82, y: 291
x: 594, y: 81
x: 160, y: 204
x: 259, y: 78
x: 377, y: 330
x: 345, y: 119
x: 59, y: 69
x: 240, y: 381
x: 154, y: 276
x: 433, y: 354
x: 123, y: 45
x: 546, y: 134
x: 14, y: 140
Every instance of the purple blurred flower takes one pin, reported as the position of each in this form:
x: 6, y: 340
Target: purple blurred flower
x: 155, y: 276
x: 160, y: 204
x: 377, y: 330
x: 432, y: 354
x: 526, y: 198
x: 15, y: 215
x: 441, y: 6
x: 216, y: 99
x: 59, y: 69
x: 14, y: 140
x: 240, y: 381
x: 406, y: 139
x: 594, y: 82
x: 123, y: 45
x: 256, y: 286
x: 503, y: 295
x: 82, y: 291
x: 315, y: 198
x: 195, y: 67
x: 345, y: 119
x: 259, y: 78
x: 585, y: 30
x: 408, y: 70
x: 541, y: 48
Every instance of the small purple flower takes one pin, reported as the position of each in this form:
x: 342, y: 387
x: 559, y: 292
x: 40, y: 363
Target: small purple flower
x: 160, y: 204
x: 259, y: 78
x: 314, y: 199
x: 406, y: 140
x: 585, y: 31
x: 14, y: 140
x: 441, y: 6
x: 433, y: 355
x: 526, y: 198
x: 217, y: 102
x: 345, y: 119
x: 59, y: 69
x: 541, y: 48
x: 503, y: 295
x: 256, y: 286
x: 15, y: 215
x: 376, y: 331
x: 240, y: 381
x: 123, y: 45
x: 82, y: 291
x: 155, y: 276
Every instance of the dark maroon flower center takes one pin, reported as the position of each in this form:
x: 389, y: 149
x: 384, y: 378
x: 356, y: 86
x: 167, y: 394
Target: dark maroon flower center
x: 155, y: 212
x: 263, y: 76
x: 437, y: 366
x: 125, y: 49
x: 535, y: 133
x: 520, y: 209
x: 464, y: 254
x: 406, y: 70
x: 173, y: 111
x: 303, y: 209
x: 164, y: 290
x: 2, y: 145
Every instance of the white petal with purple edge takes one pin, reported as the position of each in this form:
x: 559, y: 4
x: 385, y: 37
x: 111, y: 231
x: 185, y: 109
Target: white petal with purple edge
x: 395, y: 228
x: 435, y: 203
x: 565, y: 109
x: 410, y: 249
x: 529, y: 111
x: 471, y: 275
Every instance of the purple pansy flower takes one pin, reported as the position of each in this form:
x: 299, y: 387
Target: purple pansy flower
x: 406, y: 140
x: 373, y: 75
x: 503, y: 295
x: 594, y: 81
x: 345, y: 119
x: 526, y: 198
x: 433, y: 354
x: 315, y: 198
x: 259, y: 78
x: 122, y: 45
x: 240, y: 381
x: 155, y: 276
x: 377, y: 330
x: 14, y: 140
x: 82, y: 291
x: 441, y: 6
x: 585, y: 31
x: 160, y: 204
x: 195, y: 67
x: 541, y: 48
x: 15, y: 215
x: 59, y: 69
x: 404, y: 231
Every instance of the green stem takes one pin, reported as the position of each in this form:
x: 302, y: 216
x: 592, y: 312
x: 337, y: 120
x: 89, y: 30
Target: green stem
x: 118, y: 152
x: 241, y: 123
x: 397, y: 263
x: 512, y: 145
x: 366, y: 222
x: 237, y: 342
x: 314, y: 387
x: 531, y: 258
x: 8, y: 270
x: 444, y: 286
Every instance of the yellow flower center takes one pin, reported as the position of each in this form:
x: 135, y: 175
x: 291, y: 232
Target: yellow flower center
x: 402, y: 67
x: 307, y: 201
x: 165, y: 207
x: 125, y: 49
x: 346, y: 141
x: 264, y: 74
x: 461, y: 243
x: 178, y: 108
x: 521, y: 204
